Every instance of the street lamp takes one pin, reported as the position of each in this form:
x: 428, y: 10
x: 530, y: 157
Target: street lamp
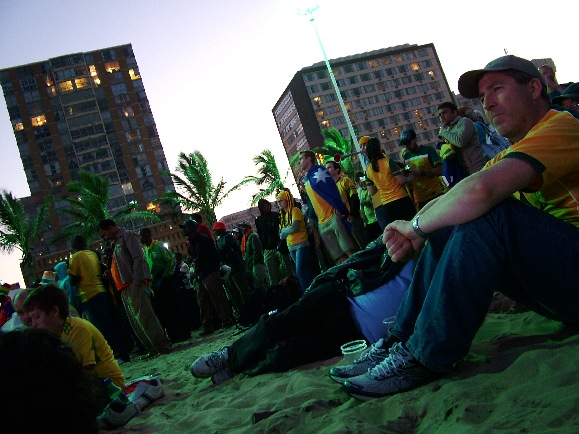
x: 309, y: 12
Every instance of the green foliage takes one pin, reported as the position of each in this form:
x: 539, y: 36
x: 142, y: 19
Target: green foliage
x: 18, y: 230
x: 334, y: 143
x: 195, y: 191
x: 88, y: 206
x: 268, y: 176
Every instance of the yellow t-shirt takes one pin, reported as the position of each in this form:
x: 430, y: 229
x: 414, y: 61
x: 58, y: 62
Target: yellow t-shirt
x: 323, y: 209
x: 85, y: 265
x: 552, y: 148
x: 301, y: 234
x: 91, y: 349
x: 424, y: 187
x: 347, y: 188
x: 388, y: 187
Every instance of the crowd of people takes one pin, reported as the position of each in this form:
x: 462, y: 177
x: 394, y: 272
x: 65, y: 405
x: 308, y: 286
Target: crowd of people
x: 406, y: 255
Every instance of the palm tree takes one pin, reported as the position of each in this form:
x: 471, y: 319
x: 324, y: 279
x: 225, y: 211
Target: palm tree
x: 19, y: 231
x: 195, y: 190
x: 88, y: 206
x: 335, y: 143
x: 267, y: 176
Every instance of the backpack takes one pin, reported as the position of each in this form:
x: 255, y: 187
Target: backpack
x: 494, y: 143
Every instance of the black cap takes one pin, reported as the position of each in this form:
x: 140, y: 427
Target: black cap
x: 407, y: 136
x: 468, y: 82
x: 570, y: 92
x: 189, y: 223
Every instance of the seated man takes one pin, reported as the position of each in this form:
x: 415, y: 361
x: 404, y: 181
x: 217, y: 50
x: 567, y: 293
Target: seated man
x: 347, y: 302
x: 47, y: 307
x: 481, y: 240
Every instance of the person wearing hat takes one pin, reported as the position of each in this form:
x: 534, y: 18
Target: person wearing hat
x: 253, y: 255
x: 481, y: 239
x: 425, y: 165
x: 229, y: 253
x: 292, y: 230
x: 211, y: 294
x: 569, y: 98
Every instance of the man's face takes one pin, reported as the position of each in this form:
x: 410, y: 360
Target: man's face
x: 412, y: 146
x: 18, y: 307
x: 105, y: 234
x: 447, y: 115
x: 507, y: 104
x: 188, y: 230
x: 305, y: 162
x: 548, y: 73
x: 570, y: 104
x: 50, y: 321
x: 146, y: 238
x: 331, y: 169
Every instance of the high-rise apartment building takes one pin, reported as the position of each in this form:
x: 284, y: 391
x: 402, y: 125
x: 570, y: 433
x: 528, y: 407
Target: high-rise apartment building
x: 384, y: 91
x: 85, y: 112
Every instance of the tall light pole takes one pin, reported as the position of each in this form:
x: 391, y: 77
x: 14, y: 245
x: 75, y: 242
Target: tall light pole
x: 309, y: 12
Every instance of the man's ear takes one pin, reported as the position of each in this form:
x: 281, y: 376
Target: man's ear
x: 536, y: 87
x: 55, y: 312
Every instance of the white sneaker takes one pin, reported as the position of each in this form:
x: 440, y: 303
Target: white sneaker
x: 209, y: 364
x: 146, y: 393
x: 117, y: 414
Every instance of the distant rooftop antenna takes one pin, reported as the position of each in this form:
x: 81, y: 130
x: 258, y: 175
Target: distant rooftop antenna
x: 506, y: 51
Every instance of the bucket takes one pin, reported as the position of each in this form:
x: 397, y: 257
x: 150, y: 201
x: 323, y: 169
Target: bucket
x: 353, y: 350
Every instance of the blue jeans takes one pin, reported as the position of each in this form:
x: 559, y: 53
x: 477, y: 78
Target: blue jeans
x: 527, y: 254
x: 305, y: 274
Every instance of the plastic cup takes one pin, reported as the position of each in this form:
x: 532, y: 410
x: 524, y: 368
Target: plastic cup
x: 353, y: 350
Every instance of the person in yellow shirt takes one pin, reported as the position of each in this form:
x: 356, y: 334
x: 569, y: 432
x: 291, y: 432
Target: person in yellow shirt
x: 386, y: 185
x: 84, y: 269
x: 47, y: 307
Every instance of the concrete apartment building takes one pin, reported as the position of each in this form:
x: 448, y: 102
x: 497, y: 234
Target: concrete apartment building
x: 384, y: 91
x: 85, y: 112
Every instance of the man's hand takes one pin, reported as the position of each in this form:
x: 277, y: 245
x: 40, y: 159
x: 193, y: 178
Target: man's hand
x: 401, y: 241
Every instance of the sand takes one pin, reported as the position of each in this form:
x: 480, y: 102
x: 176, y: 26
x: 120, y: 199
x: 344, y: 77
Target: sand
x: 520, y: 376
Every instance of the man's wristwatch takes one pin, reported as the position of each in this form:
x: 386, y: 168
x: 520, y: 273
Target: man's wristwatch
x: 417, y: 229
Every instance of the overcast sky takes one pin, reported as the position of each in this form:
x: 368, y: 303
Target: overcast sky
x: 213, y: 69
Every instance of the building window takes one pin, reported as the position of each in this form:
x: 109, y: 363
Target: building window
x: 325, y: 86
x: 347, y: 68
x: 38, y: 121
x: 402, y: 69
x: 65, y: 86
x: 321, y: 75
x: 365, y: 77
x: 134, y: 74
x: 28, y: 84
x: 80, y: 83
x: 373, y: 63
x: 415, y: 66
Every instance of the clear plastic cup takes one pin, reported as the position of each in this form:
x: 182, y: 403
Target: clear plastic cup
x: 353, y: 350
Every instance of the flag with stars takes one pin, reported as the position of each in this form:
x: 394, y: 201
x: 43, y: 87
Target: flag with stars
x: 323, y: 184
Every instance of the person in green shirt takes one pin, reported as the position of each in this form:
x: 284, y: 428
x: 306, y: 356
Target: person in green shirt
x: 162, y: 265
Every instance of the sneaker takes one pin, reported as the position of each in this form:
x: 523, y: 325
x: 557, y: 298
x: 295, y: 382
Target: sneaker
x: 368, y: 360
x: 146, y: 393
x: 398, y: 372
x: 117, y: 414
x: 207, y: 365
x: 222, y: 375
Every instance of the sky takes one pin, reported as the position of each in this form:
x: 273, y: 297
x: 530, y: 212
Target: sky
x: 214, y: 69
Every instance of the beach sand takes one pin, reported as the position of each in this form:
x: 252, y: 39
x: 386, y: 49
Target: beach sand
x: 520, y: 376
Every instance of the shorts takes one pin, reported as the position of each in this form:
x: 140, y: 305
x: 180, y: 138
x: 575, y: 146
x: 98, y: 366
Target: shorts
x: 336, y: 238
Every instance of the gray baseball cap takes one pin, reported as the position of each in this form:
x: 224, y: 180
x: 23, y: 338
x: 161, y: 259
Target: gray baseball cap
x: 468, y: 82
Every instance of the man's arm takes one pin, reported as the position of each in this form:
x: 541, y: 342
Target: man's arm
x: 460, y: 134
x: 469, y: 199
x: 138, y: 257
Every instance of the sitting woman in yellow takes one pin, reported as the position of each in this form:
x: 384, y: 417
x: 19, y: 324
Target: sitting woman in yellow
x: 293, y: 231
x: 391, y: 202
